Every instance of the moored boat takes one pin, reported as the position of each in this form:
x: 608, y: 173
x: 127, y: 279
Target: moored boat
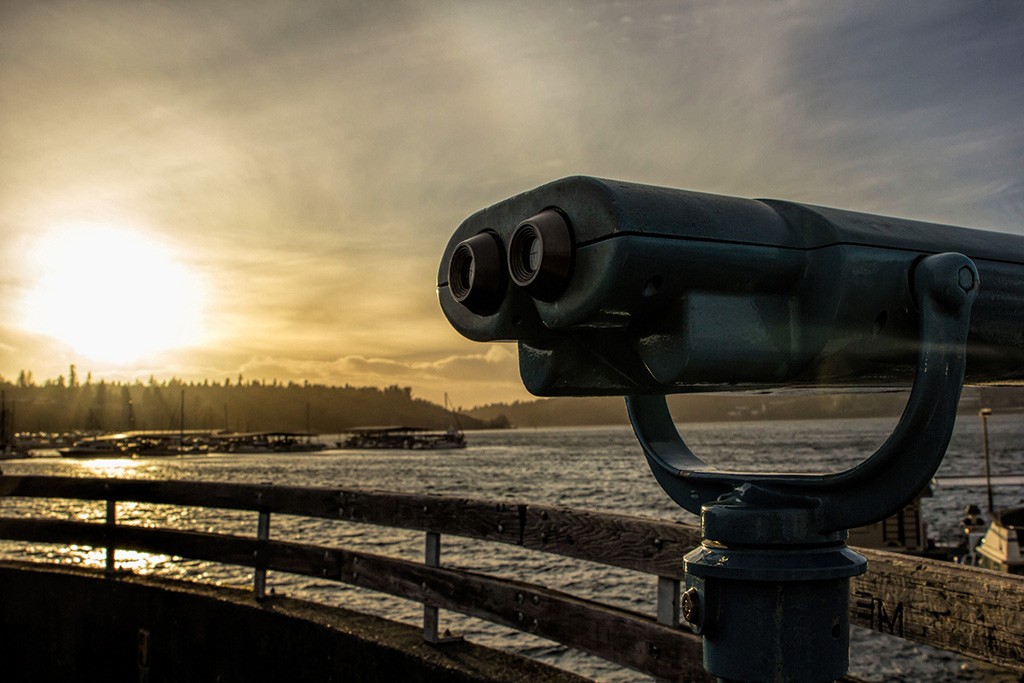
x: 163, y: 446
x: 1000, y: 547
x: 97, y: 447
x: 269, y: 442
x: 408, y: 438
x: 139, y: 445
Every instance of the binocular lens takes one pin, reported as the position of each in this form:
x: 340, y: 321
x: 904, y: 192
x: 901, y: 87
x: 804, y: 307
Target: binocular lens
x: 476, y: 273
x: 540, y: 255
x: 462, y: 272
x: 525, y: 255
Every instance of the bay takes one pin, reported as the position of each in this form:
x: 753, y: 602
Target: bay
x: 597, y: 468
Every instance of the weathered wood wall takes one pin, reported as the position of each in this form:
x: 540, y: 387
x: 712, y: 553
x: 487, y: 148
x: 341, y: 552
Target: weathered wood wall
x: 62, y: 623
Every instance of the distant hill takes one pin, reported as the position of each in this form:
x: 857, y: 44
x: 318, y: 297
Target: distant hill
x: 731, y: 407
x: 68, y: 405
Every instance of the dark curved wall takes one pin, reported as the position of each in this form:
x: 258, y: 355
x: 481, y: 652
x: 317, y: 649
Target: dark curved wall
x: 74, y: 625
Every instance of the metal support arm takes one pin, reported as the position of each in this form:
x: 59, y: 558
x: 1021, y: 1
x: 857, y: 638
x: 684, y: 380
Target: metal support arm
x: 769, y: 586
x: 944, y: 286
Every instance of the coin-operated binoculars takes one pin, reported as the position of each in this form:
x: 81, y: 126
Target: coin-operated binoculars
x: 617, y: 288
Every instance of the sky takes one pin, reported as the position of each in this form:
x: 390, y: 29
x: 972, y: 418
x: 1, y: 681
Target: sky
x: 209, y: 189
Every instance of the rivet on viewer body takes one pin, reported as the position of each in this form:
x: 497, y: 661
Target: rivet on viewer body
x: 966, y: 279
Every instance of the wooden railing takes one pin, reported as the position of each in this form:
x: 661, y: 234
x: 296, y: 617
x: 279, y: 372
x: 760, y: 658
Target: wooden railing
x: 970, y: 611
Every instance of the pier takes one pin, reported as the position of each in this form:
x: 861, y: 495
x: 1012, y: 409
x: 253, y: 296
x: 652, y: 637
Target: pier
x: 970, y: 611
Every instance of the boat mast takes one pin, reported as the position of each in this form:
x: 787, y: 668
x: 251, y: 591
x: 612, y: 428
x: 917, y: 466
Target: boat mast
x: 454, y: 415
x: 985, y: 412
x: 181, y: 425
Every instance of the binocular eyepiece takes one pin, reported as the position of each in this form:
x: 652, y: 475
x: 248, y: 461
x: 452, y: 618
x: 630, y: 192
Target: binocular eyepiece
x: 617, y: 288
x: 539, y: 260
x: 476, y: 273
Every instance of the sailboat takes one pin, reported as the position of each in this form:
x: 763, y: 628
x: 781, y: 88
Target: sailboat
x: 406, y: 438
x: 1000, y: 547
x: 454, y: 436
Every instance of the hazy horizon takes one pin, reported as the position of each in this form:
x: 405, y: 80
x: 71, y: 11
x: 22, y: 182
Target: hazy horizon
x: 204, y: 190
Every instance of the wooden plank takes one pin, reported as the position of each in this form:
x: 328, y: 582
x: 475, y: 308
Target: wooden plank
x: 643, y: 545
x: 626, y: 638
x: 486, y: 520
x: 648, y: 546
x: 194, y: 545
x: 975, y: 612
x: 621, y: 636
x: 469, y: 518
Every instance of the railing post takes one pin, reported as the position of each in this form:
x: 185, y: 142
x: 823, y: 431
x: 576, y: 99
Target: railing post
x: 668, y: 601
x: 259, y: 579
x: 111, y: 522
x: 430, y: 613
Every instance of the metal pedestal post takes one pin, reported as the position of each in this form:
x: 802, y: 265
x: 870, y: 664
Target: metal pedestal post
x: 766, y: 622
x: 769, y: 587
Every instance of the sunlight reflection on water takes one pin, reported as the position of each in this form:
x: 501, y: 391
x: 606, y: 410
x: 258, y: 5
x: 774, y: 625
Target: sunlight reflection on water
x: 109, y: 467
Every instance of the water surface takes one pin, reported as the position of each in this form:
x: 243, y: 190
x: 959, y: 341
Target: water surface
x: 598, y: 468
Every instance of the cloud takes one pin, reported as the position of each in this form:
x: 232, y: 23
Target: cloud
x: 470, y: 378
x: 464, y: 368
x: 313, y: 160
x: 911, y: 107
x: 478, y: 375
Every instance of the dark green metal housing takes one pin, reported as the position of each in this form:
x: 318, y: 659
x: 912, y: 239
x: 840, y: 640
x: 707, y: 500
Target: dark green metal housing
x: 663, y: 291
x: 676, y: 291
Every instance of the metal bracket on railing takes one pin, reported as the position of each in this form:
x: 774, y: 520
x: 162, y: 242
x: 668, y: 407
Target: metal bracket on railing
x: 431, y: 616
x: 769, y: 587
x: 668, y: 601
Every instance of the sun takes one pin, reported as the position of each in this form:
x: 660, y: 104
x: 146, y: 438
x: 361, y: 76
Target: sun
x: 112, y: 294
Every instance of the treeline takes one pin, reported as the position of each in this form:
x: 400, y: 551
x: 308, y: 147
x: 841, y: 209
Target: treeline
x: 71, y: 403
